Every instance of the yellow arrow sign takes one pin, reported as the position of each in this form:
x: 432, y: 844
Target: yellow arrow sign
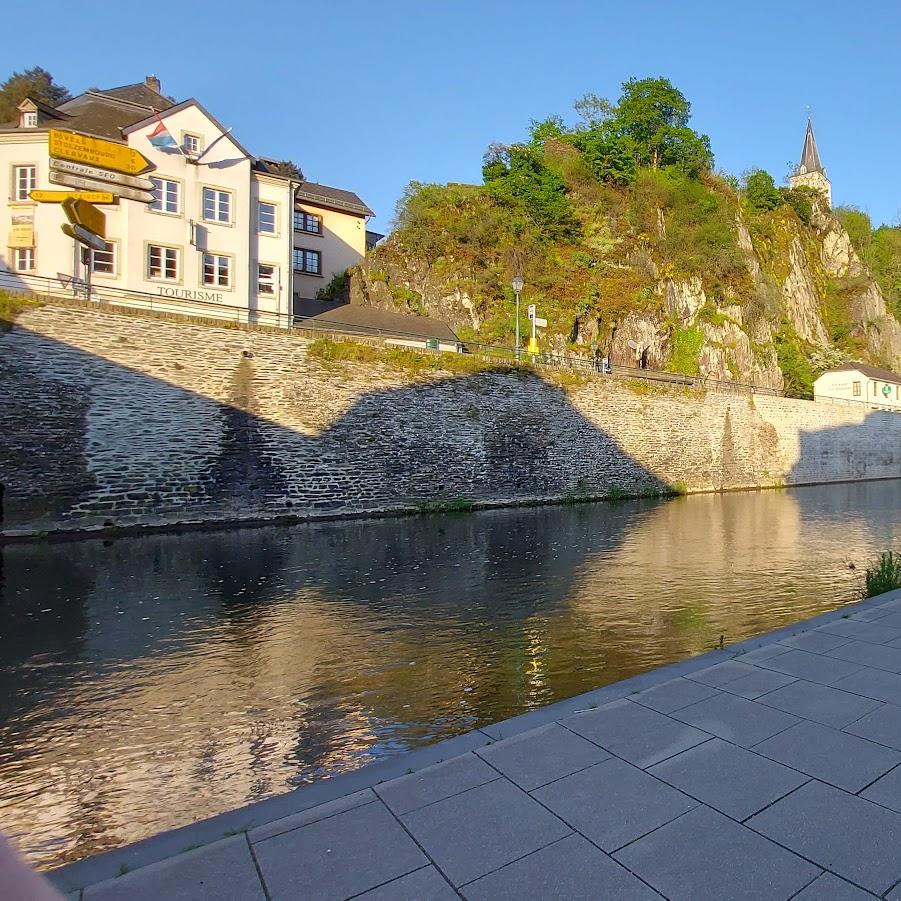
x: 80, y: 212
x: 96, y: 152
x: 60, y: 196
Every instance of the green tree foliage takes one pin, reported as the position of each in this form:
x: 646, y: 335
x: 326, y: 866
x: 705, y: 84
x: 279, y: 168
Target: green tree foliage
x: 761, y: 192
x: 541, y: 131
x: 517, y: 176
x: 797, y: 370
x: 801, y: 201
x: 36, y: 83
x: 289, y: 169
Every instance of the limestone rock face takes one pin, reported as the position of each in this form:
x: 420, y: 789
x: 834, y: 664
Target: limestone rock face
x: 745, y: 243
x: 837, y: 253
x: 650, y: 337
x: 683, y: 299
x: 801, y: 299
x: 882, y: 330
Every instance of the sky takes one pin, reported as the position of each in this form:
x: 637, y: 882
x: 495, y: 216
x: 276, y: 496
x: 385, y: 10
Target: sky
x: 370, y: 96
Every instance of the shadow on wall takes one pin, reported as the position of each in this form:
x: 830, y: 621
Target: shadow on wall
x: 88, y: 441
x: 869, y: 449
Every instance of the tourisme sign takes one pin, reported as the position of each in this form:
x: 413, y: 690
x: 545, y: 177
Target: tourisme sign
x: 68, y: 145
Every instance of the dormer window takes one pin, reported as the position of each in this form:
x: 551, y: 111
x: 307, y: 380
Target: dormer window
x: 29, y: 119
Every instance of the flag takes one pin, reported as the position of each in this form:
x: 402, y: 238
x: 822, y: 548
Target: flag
x: 161, y: 139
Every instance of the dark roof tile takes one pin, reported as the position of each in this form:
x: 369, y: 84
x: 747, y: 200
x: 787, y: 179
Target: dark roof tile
x: 373, y: 320
x: 873, y: 372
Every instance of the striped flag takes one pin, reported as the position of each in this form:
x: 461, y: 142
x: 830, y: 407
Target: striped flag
x: 160, y: 137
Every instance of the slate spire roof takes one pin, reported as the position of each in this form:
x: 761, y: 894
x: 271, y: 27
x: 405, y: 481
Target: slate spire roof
x: 810, y: 156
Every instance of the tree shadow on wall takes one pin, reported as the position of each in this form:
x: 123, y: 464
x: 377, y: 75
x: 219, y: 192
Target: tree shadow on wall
x: 88, y: 441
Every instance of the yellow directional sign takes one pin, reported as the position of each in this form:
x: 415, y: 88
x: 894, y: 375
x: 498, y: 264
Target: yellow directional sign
x: 97, y: 152
x: 80, y: 212
x: 60, y: 196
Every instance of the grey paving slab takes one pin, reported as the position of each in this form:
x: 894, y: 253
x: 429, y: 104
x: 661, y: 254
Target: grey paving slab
x: 891, y: 621
x: 535, y: 758
x: 323, y: 811
x: 813, y: 641
x: 728, y: 778
x: 705, y: 855
x: 813, y: 667
x: 73, y: 896
x: 871, y: 614
x: 886, y: 790
x: 762, y: 653
x: 878, y: 684
x: 635, y: 733
x: 879, y: 656
x: 830, y: 888
x: 570, y: 869
x: 821, y: 703
x: 613, y: 803
x: 223, y: 869
x: 481, y: 830
x: 341, y: 856
x: 842, y: 760
x: 853, y: 838
x: 673, y: 694
x: 877, y: 632
x: 435, y: 783
x: 419, y: 885
x: 722, y: 673
x: 736, y: 719
x: 757, y: 684
x: 883, y: 726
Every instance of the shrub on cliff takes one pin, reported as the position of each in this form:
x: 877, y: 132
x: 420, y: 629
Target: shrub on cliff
x: 761, y: 193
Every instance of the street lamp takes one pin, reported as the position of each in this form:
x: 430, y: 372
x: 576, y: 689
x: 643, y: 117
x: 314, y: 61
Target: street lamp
x: 517, y: 284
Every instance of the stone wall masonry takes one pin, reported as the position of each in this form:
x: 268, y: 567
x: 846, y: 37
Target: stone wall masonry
x: 114, y: 420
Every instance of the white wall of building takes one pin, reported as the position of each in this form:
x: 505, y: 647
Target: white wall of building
x: 855, y: 386
x: 342, y: 244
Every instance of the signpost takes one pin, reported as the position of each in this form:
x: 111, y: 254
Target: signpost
x: 80, y: 212
x: 89, y: 184
x: 83, y: 236
x: 67, y: 145
x: 104, y: 175
x: 537, y: 321
x: 61, y: 196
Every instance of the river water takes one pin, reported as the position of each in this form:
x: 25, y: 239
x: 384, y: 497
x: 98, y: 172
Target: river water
x: 149, y: 682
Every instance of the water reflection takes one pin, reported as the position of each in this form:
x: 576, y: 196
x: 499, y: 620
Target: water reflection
x: 146, y: 683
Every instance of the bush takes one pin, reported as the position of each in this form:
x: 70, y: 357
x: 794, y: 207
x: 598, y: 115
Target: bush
x: 336, y: 289
x: 687, y: 344
x: 797, y: 371
x: 761, y: 193
x: 884, y: 575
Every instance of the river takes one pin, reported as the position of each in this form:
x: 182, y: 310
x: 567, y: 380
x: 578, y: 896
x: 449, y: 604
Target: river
x: 149, y: 682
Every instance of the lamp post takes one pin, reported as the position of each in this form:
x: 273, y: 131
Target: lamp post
x: 517, y: 285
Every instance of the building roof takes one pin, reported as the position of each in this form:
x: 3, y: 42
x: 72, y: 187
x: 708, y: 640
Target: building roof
x: 335, y: 198
x: 810, y: 156
x: 873, y: 372
x: 141, y: 93
x: 372, y: 320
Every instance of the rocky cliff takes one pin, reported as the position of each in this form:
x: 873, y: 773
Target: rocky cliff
x: 767, y: 297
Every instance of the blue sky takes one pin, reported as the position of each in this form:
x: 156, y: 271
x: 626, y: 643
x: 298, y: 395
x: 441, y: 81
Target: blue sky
x: 369, y: 96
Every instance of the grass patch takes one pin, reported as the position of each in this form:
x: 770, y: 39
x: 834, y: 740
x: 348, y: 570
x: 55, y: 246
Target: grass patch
x: 328, y: 350
x: 10, y: 307
x: 884, y: 575
x: 453, y: 505
x: 686, y: 353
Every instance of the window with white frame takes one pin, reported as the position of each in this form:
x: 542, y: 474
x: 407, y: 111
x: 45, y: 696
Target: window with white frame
x: 162, y: 263
x: 855, y: 389
x: 309, y: 261
x: 25, y: 180
x: 267, y: 278
x: 307, y: 222
x: 23, y: 259
x: 165, y: 196
x: 190, y: 144
x: 217, y: 270
x: 104, y: 261
x: 30, y: 120
x: 217, y: 205
x: 266, y: 218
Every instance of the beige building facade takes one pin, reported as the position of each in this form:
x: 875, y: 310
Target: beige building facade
x: 811, y: 172
x: 860, y: 383
x: 227, y: 235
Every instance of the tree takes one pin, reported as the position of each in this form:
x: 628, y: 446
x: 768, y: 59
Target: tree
x: 289, y: 169
x: 36, y: 83
x: 655, y: 115
x: 761, y: 192
x: 593, y: 110
x: 540, y: 131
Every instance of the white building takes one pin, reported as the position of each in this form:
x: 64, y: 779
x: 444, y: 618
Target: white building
x: 226, y: 235
x: 861, y: 383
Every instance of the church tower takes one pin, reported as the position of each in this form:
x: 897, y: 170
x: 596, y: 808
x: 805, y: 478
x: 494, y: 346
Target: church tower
x: 810, y: 171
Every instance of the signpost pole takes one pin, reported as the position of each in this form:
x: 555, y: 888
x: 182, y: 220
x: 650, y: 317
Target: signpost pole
x: 87, y: 256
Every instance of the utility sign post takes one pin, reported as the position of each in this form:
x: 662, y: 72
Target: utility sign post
x: 89, y: 184
x: 87, y: 226
x: 538, y: 322
x: 60, y: 196
x: 67, y: 145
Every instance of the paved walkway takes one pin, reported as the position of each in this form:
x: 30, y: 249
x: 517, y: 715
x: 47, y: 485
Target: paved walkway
x: 770, y: 770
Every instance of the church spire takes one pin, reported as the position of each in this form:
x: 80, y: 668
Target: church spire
x: 810, y: 157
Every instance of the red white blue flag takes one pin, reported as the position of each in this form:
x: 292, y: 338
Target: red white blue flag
x: 161, y: 139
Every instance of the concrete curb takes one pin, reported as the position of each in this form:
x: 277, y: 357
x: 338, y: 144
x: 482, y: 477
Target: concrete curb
x: 109, y: 864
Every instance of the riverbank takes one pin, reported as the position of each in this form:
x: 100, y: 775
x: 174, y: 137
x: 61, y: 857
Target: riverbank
x: 117, y: 423
x: 769, y: 765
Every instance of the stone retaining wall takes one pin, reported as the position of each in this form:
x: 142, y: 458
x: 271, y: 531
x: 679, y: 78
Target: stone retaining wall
x: 117, y: 420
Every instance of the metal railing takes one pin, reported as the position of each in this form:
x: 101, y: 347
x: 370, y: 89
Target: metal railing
x: 65, y: 287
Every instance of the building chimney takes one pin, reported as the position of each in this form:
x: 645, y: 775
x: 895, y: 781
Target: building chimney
x: 153, y: 83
